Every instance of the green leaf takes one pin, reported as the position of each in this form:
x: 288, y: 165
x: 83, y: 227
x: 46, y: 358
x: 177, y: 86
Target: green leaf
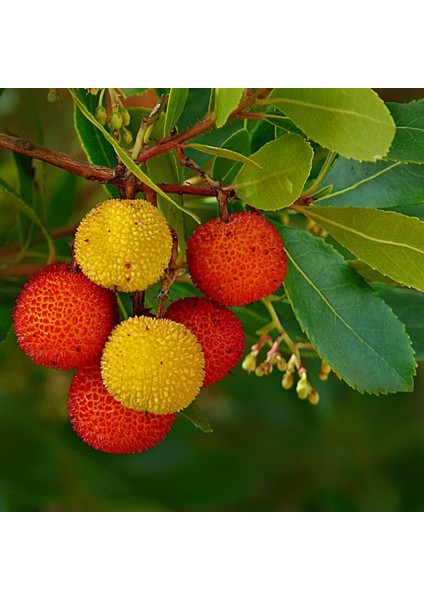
x: 352, y: 122
x: 408, y: 305
x: 387, y: 241
x: 227, y: 100
x: 176, y: 102
x: 5, y: 322
x: 382, y: 184
x: 369, y: 274
x: 224, y: 170
x: 408, y: 144
x: 348, y: 324
x: 285, y: 164
x: 94, y: 144
x: 126, y: 160
x: 195, y: 414
x: 223, y: 153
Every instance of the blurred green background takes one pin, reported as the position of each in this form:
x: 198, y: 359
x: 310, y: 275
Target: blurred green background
x: 269, y: 450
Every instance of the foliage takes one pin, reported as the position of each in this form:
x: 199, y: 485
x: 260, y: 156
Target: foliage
x: 337, y: 171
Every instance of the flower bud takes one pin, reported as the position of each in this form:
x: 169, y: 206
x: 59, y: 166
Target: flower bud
x: 313, y: 397
x: 126, y: 117
x: 303, y: 387
x: 287, y: 381
x: 249, y: 363
x: 116, y: 120
x: 101, y: 115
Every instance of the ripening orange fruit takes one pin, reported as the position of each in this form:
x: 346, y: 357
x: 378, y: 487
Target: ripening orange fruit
x: 218, y: 330
x: 62, y: 319
x: 105, y: 424
x: 237, y: 262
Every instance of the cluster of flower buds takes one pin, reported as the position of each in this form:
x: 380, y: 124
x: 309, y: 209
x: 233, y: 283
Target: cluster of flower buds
x: 290, y: 368
x: 117, y: 121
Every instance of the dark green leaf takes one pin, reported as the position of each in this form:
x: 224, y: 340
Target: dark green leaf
x: 352, y: 122
x: 347, y: 323
x: 94, y: 144
x: 408, y: 144
x: 383, y: 184
x: 176, y: 102
x: 284, y: 166
x: 408, y: 305
x: 387, y: 241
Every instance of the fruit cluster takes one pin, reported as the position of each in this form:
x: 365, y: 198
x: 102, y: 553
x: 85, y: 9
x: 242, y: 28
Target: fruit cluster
x: 133, y: 375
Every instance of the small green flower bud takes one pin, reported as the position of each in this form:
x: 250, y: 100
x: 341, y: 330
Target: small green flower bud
x: 94, y: 91
x: 53, y: 95
x: 116, y: 120
x: 324, y: 371
x: 260, y: 370
x: 101, y: 115
x: 126, y: 117
x: 303, y: 387
x: 126, y: 136
x: 287, y: 381
x: 249, y: 363
x: 313, y: 396
x: 280, y: 362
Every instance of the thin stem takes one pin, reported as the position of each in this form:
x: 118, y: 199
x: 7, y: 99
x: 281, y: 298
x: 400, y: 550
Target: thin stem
x: 283, y: 334
x: 122, y: 307
x: 321, y: 176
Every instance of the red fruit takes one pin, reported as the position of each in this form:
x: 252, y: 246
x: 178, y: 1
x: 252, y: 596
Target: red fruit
x: 62, y: 319
x: 105, y: 424
x: 218, y: 330
x: 239, y: 261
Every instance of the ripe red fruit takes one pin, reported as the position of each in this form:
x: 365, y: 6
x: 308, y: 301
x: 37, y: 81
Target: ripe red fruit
x: 62, y: 319
x: 105, y: 424
x: 238, y: 261
x: 218, y: 330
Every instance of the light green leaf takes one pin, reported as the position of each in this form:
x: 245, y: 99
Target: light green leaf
x: 408, y: 305
x: 387, y: 241
x: 369, y: 274
x: 176, y: 102
x: 285, y: 164
x: 408, y: 144
x: 348, y: 324
x: 383, y: 184
x: 194, y: 413
x: 223, y: 153
x: 127, y: 160
x: 225, y: 170
x: 227, y: 100
x: 350, y: 121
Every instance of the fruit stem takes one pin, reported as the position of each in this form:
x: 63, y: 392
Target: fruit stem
x: 169, y: 277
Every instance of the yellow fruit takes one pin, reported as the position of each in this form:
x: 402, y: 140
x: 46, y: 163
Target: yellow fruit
x: 123, y: 245
x: 155, y: 365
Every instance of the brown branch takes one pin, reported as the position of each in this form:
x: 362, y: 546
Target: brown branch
x: 60, y: 159
x: 199, y: 128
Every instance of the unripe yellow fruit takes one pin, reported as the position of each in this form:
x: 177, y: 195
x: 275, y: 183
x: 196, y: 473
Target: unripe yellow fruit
x: 123, y: 245
x: 155, y: 365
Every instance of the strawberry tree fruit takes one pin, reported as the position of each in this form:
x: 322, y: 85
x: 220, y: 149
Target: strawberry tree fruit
x: 62, y: 319
x: 218, y: 330
x: 238, y: 261
x: 153, y: 365
x: 123, y: 245
x: 105, y: 424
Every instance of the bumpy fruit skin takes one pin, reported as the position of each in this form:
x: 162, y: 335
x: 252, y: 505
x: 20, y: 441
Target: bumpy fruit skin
x: 62, y: 319
x: 237, y: 262
x: 123, y: 244
x: 218, y: 330
x: 151, y: 364
x: 107, y: 425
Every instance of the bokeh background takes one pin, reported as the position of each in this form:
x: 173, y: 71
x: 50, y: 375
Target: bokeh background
x: 269, y: 451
